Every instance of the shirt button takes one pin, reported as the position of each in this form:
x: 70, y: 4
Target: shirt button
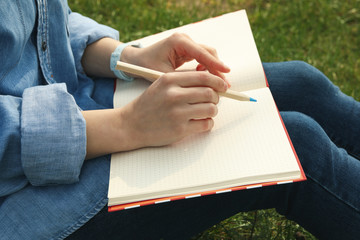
x: 43, y: 45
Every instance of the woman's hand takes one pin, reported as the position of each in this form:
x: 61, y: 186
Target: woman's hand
x: 173, y: 107
x: 169, y: 54
x: 176, y: 105
x: 165, y: 56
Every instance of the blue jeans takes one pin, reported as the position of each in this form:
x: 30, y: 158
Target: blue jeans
x: 324, y: 126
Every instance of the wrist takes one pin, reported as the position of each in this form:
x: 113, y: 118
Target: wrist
x: 131, y: 54
x: 126, y: 130
x: 126, y: 52
x: 106, y: 132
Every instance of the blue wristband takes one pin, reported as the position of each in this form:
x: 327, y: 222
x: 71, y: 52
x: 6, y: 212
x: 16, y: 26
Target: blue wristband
x: 115, y: 56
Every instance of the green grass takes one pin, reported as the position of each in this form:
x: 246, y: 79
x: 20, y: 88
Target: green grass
x: 323, y: 33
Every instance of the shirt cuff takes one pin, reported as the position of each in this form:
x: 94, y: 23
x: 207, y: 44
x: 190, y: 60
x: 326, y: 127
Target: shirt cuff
x: 53, y: 136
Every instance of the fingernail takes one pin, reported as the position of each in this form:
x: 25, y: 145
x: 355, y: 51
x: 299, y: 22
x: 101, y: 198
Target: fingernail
x: 226, y: 85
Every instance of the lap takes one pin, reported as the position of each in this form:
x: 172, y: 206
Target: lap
x: 307, y: 202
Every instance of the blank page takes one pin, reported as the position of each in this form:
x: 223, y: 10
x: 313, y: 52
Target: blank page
x: 231, y: 36
x: 248, y: 144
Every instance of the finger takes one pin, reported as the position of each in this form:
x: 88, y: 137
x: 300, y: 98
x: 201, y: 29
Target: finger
x: 206, y: 56
x: 215, y: 71
x: 186, y: 49
x: 196, y: 79
x: 211, y: 50
x: 200, y: 125
x: 201, y: 67
x: 201, y: 111
x: 200, y: 95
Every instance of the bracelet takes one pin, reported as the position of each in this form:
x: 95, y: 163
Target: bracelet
x: 115, y: 56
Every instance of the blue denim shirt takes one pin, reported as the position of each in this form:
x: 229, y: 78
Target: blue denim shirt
x: 47, y: 191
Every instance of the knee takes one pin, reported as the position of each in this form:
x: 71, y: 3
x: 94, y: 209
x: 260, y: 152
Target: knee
x: 303, y: 130
x: 293, y: 73
x: 300, y: 69
x: 303, y: 75
x: 296, y: 80
x: 301, y: 127
x: 310, y: 141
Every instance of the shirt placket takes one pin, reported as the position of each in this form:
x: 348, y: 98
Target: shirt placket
x: 42, y: 41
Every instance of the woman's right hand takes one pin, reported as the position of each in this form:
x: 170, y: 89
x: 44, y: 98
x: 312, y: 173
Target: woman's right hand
x: 178, y: 104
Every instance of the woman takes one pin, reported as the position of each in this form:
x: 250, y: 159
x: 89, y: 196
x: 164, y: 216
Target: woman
x: 54, y: 116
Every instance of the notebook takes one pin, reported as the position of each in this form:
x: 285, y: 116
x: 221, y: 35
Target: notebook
x: 248, y: 146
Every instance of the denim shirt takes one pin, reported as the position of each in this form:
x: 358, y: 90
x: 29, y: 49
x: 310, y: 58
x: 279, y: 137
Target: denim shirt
x: 47, y: 190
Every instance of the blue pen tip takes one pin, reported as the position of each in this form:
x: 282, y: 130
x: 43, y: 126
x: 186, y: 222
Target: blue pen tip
x: 253, y: 100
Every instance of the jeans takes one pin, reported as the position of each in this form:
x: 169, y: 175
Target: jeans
x: 324, y: 126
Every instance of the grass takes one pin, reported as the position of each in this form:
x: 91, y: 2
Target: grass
x: 323, y: 33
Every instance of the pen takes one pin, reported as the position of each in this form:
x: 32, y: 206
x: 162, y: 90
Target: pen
x: 153, y: 75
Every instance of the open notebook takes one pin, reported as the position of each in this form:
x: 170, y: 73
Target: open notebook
x: 248, y: 146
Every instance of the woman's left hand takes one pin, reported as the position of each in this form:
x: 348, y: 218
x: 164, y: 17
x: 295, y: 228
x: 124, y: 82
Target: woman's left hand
x: 170, y: 53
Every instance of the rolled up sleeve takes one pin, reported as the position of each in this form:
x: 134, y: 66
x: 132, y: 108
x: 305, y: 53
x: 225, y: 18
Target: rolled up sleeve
x: 53, y: 136
x: 84, y: 31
